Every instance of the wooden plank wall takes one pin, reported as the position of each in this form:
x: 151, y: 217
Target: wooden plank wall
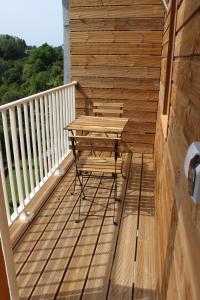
x: 115, y: 53
x: 177, y: 218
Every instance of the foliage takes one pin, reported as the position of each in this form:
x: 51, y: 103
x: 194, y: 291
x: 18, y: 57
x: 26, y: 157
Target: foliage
x: 11, y: 47
x: 25, y: 70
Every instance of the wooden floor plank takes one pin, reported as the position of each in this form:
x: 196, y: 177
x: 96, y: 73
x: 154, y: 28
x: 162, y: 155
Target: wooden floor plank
x: 144, y: 287
x: 121, y: 286
x: 76, y: 274
x: 98, y: 278
x: 33, y: 234
x: 52, y: 274
x: 39, y: 256
x: 59, y: 259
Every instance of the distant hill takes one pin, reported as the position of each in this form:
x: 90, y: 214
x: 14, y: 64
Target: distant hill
x: 26, y: 70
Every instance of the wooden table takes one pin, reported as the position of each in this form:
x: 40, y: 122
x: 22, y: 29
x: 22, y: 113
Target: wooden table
x: 98, y: 124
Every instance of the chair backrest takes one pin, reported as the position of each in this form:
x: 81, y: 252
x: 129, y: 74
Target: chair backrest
x: 108, y: 108
x: 94, y: 144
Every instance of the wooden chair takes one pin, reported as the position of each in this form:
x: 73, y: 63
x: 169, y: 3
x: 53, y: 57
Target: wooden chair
x: 101, y: 109
x: 90, y: 166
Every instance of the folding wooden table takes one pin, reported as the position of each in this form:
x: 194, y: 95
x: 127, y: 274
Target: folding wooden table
x: 98, y: 124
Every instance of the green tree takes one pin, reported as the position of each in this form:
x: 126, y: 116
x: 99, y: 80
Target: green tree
x: 12, y: 47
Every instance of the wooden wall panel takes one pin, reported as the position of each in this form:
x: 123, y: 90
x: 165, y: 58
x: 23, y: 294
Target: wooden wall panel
x: 78, y: 3
x: 116, y: 55
x: 178, y: 226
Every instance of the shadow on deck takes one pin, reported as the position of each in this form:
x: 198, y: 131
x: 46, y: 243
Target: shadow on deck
x: 57, y: 258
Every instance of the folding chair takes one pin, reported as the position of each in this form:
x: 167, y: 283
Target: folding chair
x: 113, y: 108
x: 96, y: 166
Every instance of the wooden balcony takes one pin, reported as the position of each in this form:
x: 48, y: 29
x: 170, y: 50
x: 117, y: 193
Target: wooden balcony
x: 57, y: 258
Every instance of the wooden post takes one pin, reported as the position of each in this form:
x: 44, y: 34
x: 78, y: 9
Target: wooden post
x: 6, y: 256
x: 4, y: 289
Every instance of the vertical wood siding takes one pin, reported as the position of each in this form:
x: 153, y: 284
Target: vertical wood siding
x: 178, y: 225
x: 116, y: 53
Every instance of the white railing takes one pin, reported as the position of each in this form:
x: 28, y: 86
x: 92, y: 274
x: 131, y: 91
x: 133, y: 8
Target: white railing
x: 33, y: 143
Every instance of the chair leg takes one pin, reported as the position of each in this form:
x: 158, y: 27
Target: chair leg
x: 82, y: 196
x: 115, y: 199
x: 79, y: 208
x: 72, y: 193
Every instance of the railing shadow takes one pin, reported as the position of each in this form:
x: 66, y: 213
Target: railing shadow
x: 105, y: 257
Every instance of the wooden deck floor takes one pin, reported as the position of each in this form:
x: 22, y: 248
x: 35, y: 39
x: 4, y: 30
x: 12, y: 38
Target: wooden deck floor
x: 59, y: 259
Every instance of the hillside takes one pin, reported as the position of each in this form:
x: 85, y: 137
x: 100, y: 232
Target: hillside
x: 26, y: 70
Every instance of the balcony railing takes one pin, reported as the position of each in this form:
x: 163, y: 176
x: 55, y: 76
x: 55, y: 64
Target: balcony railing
x: 33, y: 143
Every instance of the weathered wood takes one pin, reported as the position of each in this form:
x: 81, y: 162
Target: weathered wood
x: 188, y: 38
x: 186, y: 10
x: 117, y: 24
x: 77, y: 3
x: 116, y: 48
x: 128, y: 104
x: 113, y: 60
x: 186, y: 77
x: 131, y: 137
x: 165, y: 37
x: 98, y: 124
x: 113, y: 82
x: 125, y: 94
x: 136, y: 116
x: 73, y: 260
x: 117, y: 37
x: 165, y: 50
x: 177, y: 224
x: 167, y: 21
x: 119, y: 72
x: 145, y: 268
x: 170, y: 55
x: 121, y: 284
x: 116, y: 12
x: 99, y: 275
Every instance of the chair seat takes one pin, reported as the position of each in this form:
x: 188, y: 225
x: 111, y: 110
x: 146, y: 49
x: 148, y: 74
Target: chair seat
x: 99, y: 164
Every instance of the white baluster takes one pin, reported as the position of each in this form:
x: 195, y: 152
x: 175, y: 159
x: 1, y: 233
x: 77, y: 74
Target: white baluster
x: 9, y: 161
x: 34, y: 144
x: 28, y: 145
x: 47, y: 132
x: 44, y: 154
x: 69, y: 108
x: 21, y: 138
x: 73, y: 103
x: 4, y: 186
x: 39, y: 139
x: 16, y: 156
x: 64, y: 122
x: 51, y: 131
x: 66, y: 117
x: 55, y: 133
x: 58, y: 125
x: 61, y: 124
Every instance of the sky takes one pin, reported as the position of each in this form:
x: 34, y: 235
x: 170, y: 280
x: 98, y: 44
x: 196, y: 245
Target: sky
x: 35, y: 21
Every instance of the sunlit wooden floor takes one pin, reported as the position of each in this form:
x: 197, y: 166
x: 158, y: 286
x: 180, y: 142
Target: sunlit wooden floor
x: 59, y: 259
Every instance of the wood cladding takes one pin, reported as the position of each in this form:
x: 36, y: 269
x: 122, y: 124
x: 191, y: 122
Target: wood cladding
x: 177, y: 218
x: 115, y: 55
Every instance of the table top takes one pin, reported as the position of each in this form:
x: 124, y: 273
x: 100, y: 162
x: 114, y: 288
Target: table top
x: 98, y: 124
